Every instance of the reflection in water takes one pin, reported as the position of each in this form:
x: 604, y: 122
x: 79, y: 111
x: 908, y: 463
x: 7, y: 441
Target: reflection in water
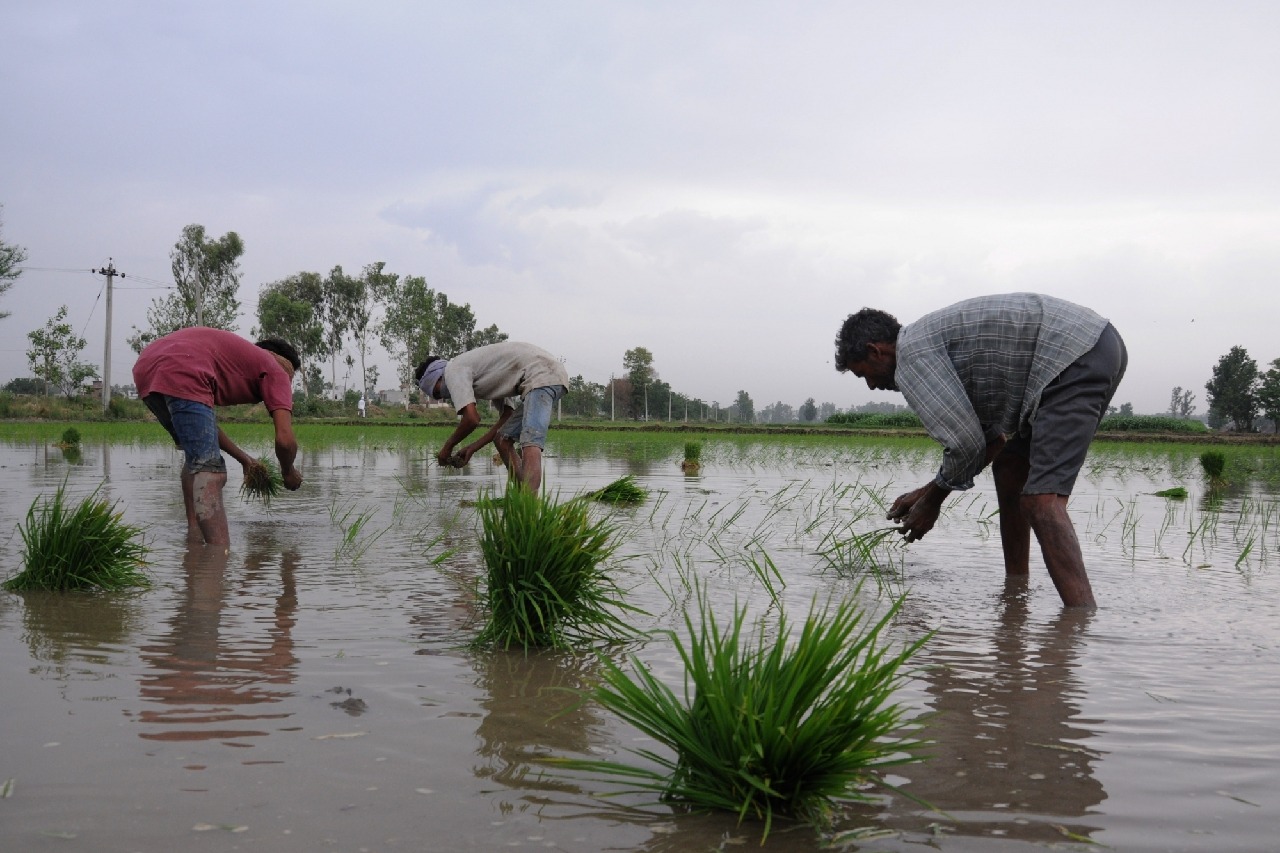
x: 1007, y: 759
x: 217, y: 659
x: 63, y: 629
x: 533, y: 708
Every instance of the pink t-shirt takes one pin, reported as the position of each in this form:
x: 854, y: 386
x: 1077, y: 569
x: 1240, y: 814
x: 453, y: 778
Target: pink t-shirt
x: 213, y: 367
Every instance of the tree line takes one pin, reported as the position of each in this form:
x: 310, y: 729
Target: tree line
x: 1239, y: 393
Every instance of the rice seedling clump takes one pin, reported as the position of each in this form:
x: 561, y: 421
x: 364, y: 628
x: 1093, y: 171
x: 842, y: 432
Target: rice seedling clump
x: 621, y: 491
x: 86, y: 546
x: 70, y: 438
x: 546, y: 583
x: 262, y: 481
x: 784, y: 726
x: 1213, y: 463
x: 692, y: 456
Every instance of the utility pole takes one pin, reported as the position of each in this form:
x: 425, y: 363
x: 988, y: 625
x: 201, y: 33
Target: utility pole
x: 613, y: 395
x: 110, y: 272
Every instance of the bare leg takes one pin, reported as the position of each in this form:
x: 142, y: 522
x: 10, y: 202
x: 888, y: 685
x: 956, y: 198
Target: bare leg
x: 1010, y: 473
x: 531, y: 467
x: 1060, y: 547
x: 189, y: 503
x: 507, y: 450
x: 210, y: 514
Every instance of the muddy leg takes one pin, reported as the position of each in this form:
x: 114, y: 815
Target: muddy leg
x: 210, y: 514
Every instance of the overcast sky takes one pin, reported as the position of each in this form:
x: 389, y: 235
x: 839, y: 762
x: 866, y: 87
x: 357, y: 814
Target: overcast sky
x: 721, y: 183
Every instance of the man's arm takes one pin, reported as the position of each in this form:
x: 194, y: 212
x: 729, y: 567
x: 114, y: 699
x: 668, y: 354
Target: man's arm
x: 286, y: 448
x: 489, y: 434
x: 468, y: 420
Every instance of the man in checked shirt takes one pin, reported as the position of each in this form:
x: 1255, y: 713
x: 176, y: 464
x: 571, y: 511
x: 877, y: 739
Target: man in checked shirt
x: 1018, y: 381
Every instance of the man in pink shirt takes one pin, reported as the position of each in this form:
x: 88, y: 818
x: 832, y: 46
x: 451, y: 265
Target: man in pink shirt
x: 182, y: 376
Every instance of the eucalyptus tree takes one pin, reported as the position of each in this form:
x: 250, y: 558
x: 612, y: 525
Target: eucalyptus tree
x: 292, y: 309
x: 206, y: 277
x: 55, y: 355
x: 348, y: 310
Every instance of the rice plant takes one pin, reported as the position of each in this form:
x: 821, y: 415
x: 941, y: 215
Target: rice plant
x: 620, y: 491
x: 262, y: 481
x: 86, y: 546
x: 70, y: 438
x: 546, y: 583
x: 783, y: 727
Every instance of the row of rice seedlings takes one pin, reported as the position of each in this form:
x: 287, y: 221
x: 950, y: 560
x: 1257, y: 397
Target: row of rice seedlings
x: 782, y: 727
x: 546, y: 583
x: 80, y: 547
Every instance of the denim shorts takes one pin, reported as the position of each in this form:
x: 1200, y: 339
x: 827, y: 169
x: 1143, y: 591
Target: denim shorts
x: 532, y: 419
x: 194, y: 428
x: 1070, y: 410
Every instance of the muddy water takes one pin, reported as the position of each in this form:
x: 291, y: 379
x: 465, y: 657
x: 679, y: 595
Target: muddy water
x: 310, y: 691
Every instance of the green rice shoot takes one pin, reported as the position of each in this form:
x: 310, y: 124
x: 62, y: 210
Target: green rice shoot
x: 262, y: 481
x: 70, y: 438
x: 546, y: 584
x: 622, y: 491
x: 780, y: 726
x: 692, y: 456
x: 82, y: 547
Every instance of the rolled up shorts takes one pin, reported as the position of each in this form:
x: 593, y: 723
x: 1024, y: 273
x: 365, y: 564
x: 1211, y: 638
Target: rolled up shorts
x: 530, y: 422
x: 194, y: 428
x: 1071, y: 408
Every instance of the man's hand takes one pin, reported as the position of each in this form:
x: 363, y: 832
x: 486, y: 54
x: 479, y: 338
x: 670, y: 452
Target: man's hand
x: 292, y: 478
x: 918, y: 511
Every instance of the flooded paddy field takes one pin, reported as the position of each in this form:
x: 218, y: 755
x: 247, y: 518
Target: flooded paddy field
x: 312, y: 689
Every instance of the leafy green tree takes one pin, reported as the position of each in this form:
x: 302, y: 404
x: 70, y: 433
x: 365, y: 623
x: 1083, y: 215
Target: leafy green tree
x: 290, y: 309
x: 585, y: 399
x: 206, y: 275
x: 744, y: 411
x: 1269, y: 394
x: 11, y: 259
x: 638, y: 364
x: 55, y: 355
x: 1126, y: 410
x: 25, y: 385
x: 1181, y: 402
x: 808, y: 410
x: 408, y: 327
x: 1232, y: 392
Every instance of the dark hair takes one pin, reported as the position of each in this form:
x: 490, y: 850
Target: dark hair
x: 422, y: 368
x: 282, y: 348
x: 869, y: 326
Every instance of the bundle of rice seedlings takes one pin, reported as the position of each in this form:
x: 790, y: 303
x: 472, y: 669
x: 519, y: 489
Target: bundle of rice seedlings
x: 546, y: 584
x: 692, y: 456
x: 87, y: 546
x: 785, y: 726
x: 621, y: 491
x: 1177, y: 492
x: 70, y: 438
x: 262, y: 481
x: 1214, y: 464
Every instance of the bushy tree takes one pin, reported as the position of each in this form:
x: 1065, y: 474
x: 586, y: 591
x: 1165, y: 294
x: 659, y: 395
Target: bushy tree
x: 744, y: 411
x: 1232, y: 392
x: 11, y: 259
x: 55, y: 355
x: 808, y: 410
x: 206, y: 275
x: 1269, y: 394
x: 419, y: 321
x: 291, y: 309
x: 25, y: 385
